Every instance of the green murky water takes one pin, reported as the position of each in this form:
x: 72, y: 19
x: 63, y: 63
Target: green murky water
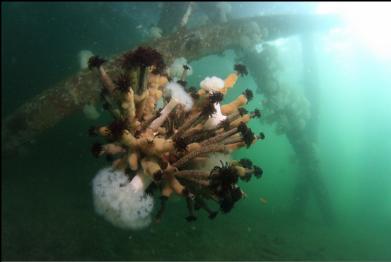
x: 47, y: 207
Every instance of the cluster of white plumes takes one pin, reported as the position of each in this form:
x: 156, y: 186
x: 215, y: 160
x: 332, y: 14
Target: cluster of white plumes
x: 84, y: 56
x: 216, y: 118
x: 176, y: 68
x: 213, y: 84
x: 176, y: 91
x: 89, y: 110
x: 122, y: 203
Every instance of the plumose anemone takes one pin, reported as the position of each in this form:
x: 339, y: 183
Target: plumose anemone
x: 168, y: 149
x: 122, y: 203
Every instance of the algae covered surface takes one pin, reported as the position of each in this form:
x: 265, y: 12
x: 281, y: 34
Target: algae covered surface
x: 47, y: 201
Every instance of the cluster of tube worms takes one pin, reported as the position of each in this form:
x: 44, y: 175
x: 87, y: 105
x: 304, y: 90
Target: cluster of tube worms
x: 164, y: 147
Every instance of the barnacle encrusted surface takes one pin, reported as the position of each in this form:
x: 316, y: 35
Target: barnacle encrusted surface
x: 168, y: 145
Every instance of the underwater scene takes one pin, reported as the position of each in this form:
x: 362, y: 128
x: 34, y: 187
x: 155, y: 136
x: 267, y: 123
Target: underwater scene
x: 196, y: 131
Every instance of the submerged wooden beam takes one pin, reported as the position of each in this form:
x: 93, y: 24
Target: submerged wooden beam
x: 69, y: 96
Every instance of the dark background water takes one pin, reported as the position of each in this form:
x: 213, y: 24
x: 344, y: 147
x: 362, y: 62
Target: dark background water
x: 47, y: 208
